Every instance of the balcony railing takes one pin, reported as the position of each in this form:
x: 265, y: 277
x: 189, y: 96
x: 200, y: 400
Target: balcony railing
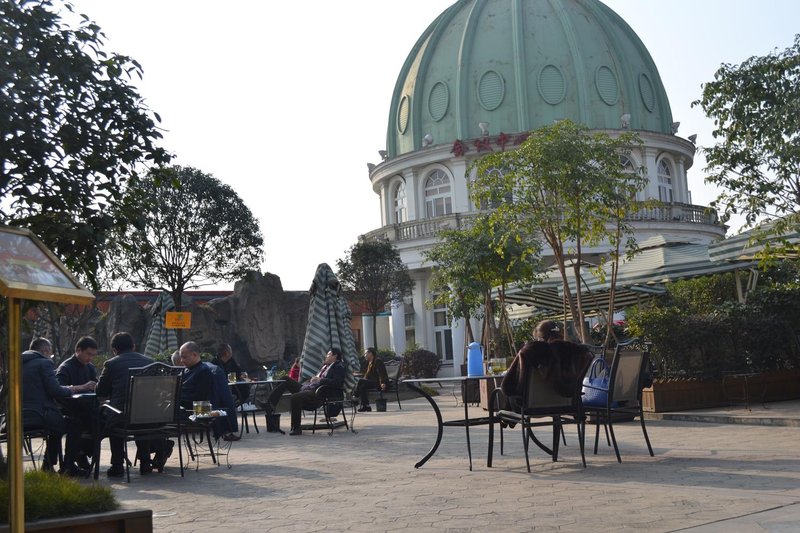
x: 430, y: 227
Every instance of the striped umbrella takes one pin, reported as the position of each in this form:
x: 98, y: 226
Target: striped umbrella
x: 160, y: 339
x: 328, y: 327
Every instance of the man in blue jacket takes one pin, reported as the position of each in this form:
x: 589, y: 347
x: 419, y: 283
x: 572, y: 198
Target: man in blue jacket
x: 40, y: 392
x: 113, y: 384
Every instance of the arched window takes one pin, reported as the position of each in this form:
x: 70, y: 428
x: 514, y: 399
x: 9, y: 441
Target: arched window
x: 664, y: 182
x: 400, y: 205
x: 438, y: 200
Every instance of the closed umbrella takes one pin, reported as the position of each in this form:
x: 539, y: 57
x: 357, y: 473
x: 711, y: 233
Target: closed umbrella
x: 160, y: 339
x: 328, y: 326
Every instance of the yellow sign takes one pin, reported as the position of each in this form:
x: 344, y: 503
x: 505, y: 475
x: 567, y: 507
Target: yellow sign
x: 179, y: 320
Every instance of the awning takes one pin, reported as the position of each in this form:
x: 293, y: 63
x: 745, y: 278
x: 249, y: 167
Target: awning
x: 746, y: 247
x: 638, y: 280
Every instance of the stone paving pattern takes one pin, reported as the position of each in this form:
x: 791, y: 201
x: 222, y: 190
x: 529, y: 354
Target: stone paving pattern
x: 704, y: 477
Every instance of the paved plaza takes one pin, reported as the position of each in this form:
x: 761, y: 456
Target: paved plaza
x: 704, y: 477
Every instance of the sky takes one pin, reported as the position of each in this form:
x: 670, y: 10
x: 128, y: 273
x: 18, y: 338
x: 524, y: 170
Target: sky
x: 287, y: 101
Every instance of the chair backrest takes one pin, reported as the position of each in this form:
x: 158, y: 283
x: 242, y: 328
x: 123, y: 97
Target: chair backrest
x: 627, y: 371
x: 153, y: 395
x: 540, y: 392
x: 393, y: 369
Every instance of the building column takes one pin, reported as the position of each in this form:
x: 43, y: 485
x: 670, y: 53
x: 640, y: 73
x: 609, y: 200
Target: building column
x: 458, y: 331
x: 412, y: 194
x: 366, y: 322
x: 460, y: 189
x: 397, y: 328
x: 649, y: 162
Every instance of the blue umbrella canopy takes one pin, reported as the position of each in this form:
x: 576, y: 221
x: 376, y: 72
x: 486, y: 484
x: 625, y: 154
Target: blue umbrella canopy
x: 328, y: 326
x: 160, y: 339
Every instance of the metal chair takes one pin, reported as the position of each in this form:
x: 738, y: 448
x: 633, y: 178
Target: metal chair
x: 151, y: 411
x: 393, y: 370
x: 540, y: 399
x: 332, y: 402
x: 626, y: 380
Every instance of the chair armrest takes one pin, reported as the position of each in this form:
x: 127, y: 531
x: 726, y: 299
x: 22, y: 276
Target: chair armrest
x: 110, y: 408
x: 329, y: 392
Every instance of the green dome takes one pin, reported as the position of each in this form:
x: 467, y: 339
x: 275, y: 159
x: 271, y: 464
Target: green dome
x: 519, y: 65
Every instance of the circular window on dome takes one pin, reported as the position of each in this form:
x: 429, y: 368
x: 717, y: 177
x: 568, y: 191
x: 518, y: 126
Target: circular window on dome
x: 491, y: 90
x: 438, y: 100
x: 647, y: 92
x: 552, y: 86
x: 402, y: 114
x: 607, y: 85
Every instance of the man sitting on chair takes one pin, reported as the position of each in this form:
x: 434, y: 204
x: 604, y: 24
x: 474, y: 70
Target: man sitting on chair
x: 375, y: 378
x: 304, y: 396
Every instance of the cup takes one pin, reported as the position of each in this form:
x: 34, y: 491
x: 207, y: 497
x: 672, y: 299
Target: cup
x: 201, y: 408
x: 232, y: 377
x: 244, y: 376
x: 269, y: 375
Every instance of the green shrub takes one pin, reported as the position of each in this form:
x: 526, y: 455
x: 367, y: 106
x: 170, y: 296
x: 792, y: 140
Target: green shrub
x: 420, y: 363
x: 48, y: 495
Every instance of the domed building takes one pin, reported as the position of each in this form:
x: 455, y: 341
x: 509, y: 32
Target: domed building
x: 480, y: 76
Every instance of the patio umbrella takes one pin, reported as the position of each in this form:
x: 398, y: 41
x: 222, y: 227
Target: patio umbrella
x: 160, y: 339
x: 328, y: 326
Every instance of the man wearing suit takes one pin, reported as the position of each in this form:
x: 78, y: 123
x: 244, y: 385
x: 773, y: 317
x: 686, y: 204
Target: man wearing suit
x: 113, y: 384
x: 305, y: 396
x: 375, y: 378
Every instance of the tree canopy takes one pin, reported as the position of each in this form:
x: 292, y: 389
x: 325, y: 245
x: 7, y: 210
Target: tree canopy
x: 756, y: 159
x: 373, y: 274
x: 74, y: 131
x: 471, y: 262
x: 192, y: 230
x: 568, y: 186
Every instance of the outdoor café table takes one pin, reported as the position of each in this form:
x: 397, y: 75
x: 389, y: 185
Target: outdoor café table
x: 466, y: 422
x: 270, y: 383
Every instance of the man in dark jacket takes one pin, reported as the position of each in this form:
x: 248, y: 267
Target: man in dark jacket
x: 375, y: 378
x: 228, y: 364
x: 305, y: 396
x: 113, y: 384
x: 40, y: 392
x: 198, y: 382
x: 81, y: 412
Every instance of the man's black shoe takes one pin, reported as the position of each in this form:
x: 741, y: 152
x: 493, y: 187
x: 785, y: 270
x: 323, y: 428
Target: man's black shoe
x: 83, y: 462
x: 231, y: 437
x: 364, y: 409
x: 161, y: 460
x: 115, y: 471
x: 296, y: 431
x: 145, y: 467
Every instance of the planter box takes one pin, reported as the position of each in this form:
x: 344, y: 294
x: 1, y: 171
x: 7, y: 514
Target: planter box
x: 110, y: 522
x: 681, y: 395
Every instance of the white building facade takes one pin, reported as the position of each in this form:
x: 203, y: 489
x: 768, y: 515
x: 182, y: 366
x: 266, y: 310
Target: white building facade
x: 484, y: 73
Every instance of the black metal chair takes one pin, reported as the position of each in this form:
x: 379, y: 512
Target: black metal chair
x: 393, y: 370
x: 538, y: 401
x: 151, y: 411
x: 333, y: 402
x: 626, y: 380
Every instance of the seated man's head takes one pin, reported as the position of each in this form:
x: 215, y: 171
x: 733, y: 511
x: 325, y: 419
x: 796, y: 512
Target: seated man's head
x: 42, y: 345
x: 548, y: 330
x: 122, y: 342
x: 85, y: 350
x: 333, y: 355
x: 369, y: 353
x: 176, y: 358
x: 190, y: 354
x: 224, y: 352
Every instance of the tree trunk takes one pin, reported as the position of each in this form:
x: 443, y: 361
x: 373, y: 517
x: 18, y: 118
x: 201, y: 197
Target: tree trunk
x: 375, y: 329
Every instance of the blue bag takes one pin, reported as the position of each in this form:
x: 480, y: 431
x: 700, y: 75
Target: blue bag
x: 595, y: 384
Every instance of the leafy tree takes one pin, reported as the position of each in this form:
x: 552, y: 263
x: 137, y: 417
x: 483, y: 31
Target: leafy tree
x: 567, y: 186
x: 756, y: 111
x: 73, y: 132
x: 193, y: 230
x: 471, y: 262
x: 373, y: 275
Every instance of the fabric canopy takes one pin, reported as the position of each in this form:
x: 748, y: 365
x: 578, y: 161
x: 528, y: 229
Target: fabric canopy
x: 742, y: 247
x: 328, y: 327
x: 160, y: 339
x: 639, y: 278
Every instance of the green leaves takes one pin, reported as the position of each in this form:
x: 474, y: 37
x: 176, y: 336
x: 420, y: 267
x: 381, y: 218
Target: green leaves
x: 195, y: 234
x: 756, y: 111
x: 73, y: 132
